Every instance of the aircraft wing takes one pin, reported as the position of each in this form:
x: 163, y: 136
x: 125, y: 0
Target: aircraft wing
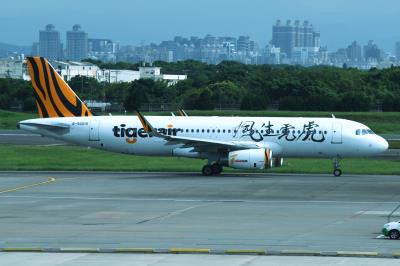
x: 210, y: 145
x: 198, y: 144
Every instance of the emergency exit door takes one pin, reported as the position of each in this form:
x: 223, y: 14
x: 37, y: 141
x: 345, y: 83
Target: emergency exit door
x: 336, y: 133
x: 94, y: 130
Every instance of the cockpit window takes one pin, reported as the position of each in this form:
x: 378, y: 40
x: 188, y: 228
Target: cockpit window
x: 364, y: 131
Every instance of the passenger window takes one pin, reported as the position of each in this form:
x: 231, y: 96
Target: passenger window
x: 187, y: 130
x: 364, y: 132
x: 223, y: 131
x: 202, y: 131
x: 192, y: 130
x: 208, y: 131
x: 357, y: 132
x: 219, y: 131
x: 229, y: 131
x: 197, y: 130
x: 213, y: 131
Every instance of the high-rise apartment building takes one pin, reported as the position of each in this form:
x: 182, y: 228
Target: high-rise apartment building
x: 354, y: 52
x: 49, y: 43
x: 77, y: 44
x: 397, y: 51
x: 294, y: 35
x: 372, y: 52
x: 243, y: 44
x: 35, y: 49
x: 102, y: 46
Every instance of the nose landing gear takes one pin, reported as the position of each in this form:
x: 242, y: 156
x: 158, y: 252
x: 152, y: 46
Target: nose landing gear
x: 336, y: 166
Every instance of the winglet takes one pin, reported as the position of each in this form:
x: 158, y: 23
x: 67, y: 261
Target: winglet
x: 182, y: 112
x: 148, y: 128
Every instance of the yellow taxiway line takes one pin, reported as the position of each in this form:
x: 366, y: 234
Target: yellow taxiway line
x: 50, y: 179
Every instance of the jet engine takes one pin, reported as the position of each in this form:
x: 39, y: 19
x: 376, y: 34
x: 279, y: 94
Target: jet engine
x: 250, y: 159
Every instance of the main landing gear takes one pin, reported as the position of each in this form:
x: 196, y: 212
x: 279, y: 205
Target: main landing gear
x: 213, y: 169
x: 336, y: 166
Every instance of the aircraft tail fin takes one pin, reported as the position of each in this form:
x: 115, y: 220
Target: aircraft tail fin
x: 54, y: 97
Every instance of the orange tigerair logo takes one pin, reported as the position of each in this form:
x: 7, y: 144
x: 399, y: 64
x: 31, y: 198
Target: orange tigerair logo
x: 131, y: 140
x: 233, y: 158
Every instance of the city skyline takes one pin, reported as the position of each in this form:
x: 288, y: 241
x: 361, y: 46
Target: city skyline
x: 132, y: 22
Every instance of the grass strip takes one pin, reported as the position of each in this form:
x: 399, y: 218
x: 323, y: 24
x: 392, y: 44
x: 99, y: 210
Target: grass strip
x: 21, y: 157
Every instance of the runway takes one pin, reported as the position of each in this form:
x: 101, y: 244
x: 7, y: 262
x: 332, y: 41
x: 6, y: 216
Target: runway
x: 277, y: 213
x: 20, y: 137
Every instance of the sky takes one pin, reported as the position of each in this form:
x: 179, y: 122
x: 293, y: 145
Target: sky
x: 143, y: 21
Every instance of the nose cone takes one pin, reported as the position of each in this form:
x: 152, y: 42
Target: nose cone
x: 382, y: 145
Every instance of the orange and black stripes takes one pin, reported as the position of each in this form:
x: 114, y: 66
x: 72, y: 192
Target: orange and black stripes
x: 267, y: 159
x: 143, y: 121
x: 54, y: 97
x: 181, y: 112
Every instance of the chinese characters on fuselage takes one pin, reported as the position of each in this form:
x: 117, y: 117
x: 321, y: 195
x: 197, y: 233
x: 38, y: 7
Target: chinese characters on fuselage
x: 309, y: 132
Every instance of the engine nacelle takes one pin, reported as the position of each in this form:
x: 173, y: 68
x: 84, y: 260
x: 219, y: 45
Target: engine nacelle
x: 250, y: 159
x: 278, y: 161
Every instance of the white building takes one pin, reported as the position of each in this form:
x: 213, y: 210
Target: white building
x: 154, y: 73
x: 273, y: 55
x: 71, y: 69
x: 305, y: 56
x: 117, y: 75
x: 13, y: 68
x: 173, y: 79
x: 68, y: 70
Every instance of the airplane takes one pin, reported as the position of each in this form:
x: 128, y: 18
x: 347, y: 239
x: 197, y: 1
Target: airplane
x: 236, y: 142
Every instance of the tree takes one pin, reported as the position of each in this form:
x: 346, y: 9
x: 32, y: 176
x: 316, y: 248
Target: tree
x: 253, y: 102
x: 137, y: 93
x: 355, y: 101
x: 199, y: 99
x: 87, y: 88
x: 226, y: 93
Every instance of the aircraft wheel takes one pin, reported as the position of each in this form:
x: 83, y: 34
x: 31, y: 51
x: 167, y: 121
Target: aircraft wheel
x: 337, y: 172
x: 207, y: 170
x: 394, y: 234
x: 216, y: 168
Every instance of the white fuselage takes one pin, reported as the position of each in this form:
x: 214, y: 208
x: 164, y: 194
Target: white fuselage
x: 285, y: 136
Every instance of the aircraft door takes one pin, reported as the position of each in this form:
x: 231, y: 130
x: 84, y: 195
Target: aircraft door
x: 336, y: 132
x: 94, y: 130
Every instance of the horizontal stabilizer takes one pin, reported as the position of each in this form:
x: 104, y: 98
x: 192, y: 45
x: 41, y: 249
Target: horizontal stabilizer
x: 43, y: 125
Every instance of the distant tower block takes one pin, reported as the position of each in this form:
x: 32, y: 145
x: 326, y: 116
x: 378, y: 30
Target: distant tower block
x: 49, y: 43
x: 77, y: 43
